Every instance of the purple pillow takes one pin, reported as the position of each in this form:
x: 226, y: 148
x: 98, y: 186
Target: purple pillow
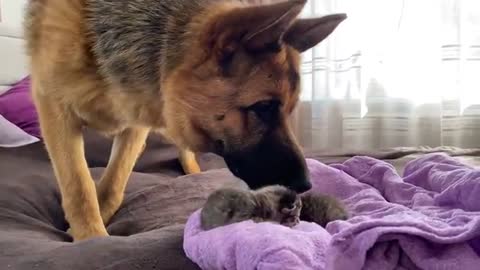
x: 17, y: 107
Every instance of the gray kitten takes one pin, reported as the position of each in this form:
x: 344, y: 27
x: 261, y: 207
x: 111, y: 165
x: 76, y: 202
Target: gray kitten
x: 273, y: 203
x: 322, y: 209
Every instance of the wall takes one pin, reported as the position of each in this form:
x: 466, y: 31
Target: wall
x: 12, y: 13
x: 13, y: 65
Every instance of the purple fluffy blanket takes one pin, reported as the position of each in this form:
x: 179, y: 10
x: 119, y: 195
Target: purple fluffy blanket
x: 427, y: 219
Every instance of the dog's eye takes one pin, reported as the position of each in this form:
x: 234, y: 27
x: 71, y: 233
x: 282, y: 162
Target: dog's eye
x: 266, y: 110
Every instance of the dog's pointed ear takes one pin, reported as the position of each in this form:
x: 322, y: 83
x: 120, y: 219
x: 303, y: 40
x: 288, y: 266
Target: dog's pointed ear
x: 304, y: 34
x: 256, y: 28
x: 270, y: 23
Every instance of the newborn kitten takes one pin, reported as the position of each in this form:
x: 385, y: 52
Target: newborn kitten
x: 322, y: 209
x: 274, y: 203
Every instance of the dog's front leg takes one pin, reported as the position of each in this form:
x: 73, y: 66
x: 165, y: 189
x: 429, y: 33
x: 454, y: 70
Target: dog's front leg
x: 189, y: 162
x: 62, y: 133
x: 127, y: 147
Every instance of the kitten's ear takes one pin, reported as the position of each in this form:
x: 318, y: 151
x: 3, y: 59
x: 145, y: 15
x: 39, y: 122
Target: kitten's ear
x: 257, y: 28
x: 307, y: 33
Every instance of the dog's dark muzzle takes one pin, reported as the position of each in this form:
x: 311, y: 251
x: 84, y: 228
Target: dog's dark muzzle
x: 277, y: 160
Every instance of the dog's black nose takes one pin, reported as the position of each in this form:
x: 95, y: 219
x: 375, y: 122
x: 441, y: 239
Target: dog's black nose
x: 301, y: 186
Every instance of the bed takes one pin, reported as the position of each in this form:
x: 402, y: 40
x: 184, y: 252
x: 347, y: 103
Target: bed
x: 147, y: 230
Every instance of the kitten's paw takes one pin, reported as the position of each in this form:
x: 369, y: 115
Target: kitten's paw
x: 291, y: 213
x: 291, y: 221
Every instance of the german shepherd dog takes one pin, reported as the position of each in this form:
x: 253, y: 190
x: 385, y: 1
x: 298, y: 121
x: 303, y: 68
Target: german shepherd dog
x: 217, y: 76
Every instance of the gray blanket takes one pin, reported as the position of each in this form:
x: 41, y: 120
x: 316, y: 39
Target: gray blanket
x: 147, y: 230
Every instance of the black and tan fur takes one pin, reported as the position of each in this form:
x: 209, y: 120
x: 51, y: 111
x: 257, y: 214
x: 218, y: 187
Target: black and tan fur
x: 211, y: 75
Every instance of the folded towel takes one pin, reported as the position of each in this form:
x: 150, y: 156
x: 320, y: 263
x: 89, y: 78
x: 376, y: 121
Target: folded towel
x: 429, y: 219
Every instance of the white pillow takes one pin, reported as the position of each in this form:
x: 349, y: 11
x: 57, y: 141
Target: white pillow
x: 13, y: 136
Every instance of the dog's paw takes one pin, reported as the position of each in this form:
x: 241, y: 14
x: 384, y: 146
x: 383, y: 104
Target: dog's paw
x: 84, y: 235
x: 69, y: 232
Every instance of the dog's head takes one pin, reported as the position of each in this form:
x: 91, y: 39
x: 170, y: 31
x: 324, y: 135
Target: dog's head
x: 237, y: 84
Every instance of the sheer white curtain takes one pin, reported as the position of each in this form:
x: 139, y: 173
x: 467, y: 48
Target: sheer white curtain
x: 395, y: 73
